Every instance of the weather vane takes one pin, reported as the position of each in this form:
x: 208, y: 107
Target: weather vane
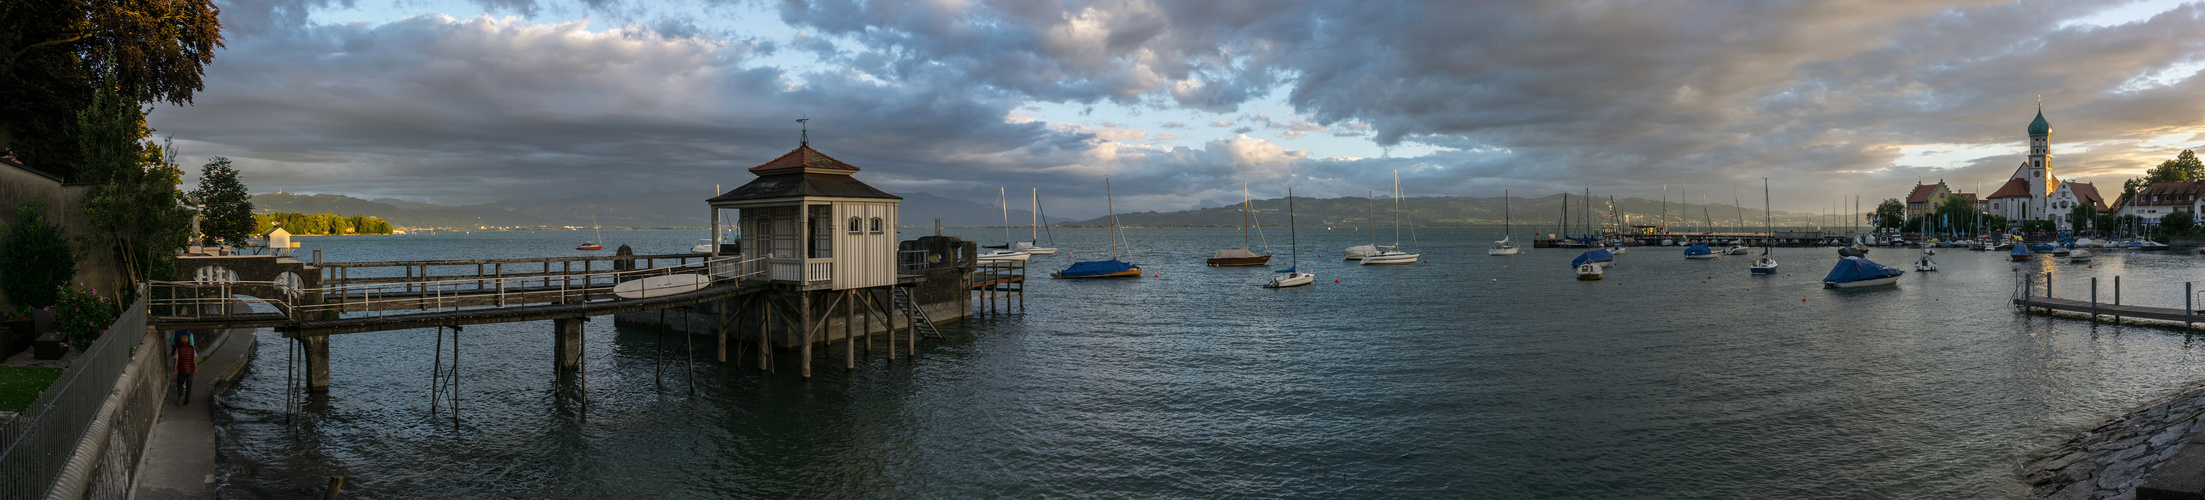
x: 804, y: 132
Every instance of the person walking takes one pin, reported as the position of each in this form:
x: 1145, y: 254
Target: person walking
x: 185, y: 357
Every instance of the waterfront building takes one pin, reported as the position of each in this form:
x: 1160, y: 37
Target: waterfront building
x: 2070, y: 196
x: 1926, y: 197
x: 2162, y: 198
x: 2034, y: 191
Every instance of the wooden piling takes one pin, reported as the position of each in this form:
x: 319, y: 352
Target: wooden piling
x: 849, y: 341
x: 804, y: 307
x: 2116, y: 297
x: 2093, y: 299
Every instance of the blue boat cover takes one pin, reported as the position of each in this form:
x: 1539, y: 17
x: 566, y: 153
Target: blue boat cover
x: 1288, y: 270
x: 2042, y: 247
x: 1096, y: 268
x: 1593, y: 256
x: 2019, y: 250
x: 1852, y: 269
x: 1698, y: 250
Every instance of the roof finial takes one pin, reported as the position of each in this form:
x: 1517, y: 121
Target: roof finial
x: 804, y: 137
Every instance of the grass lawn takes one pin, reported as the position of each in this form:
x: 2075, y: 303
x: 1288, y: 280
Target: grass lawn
x: 19, y: 385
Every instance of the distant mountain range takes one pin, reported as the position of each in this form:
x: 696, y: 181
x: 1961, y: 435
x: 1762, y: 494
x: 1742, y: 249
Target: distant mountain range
x: 659, y: 209
x: 1536, y: 213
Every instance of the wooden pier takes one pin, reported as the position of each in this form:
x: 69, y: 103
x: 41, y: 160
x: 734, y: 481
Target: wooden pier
x: 2096, y: 310
x: 998, y: 286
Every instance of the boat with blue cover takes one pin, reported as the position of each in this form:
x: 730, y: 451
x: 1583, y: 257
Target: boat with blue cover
x: 2020, y: 253
x: 1853, y: 272
x: 1592, y: 264
x: 1112, y: 268
x: 1700, y: 252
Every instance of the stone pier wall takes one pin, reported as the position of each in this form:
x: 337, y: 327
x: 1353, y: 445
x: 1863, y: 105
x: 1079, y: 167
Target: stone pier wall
x: 2114, y: 458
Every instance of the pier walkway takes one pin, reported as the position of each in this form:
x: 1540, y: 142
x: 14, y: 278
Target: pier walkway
x: 2028, y: 300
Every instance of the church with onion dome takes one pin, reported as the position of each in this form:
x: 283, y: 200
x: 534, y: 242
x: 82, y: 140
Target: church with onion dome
x: 2033, y: 192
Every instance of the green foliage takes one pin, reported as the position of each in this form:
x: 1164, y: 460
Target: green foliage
x: 2039, y: 226
x: 2083, y: 216
x: 2185, y: 167
x: 2178, y: 223
x: 34, y: 258
x: 1890, y: 213
x: 1955, y: 212
x: 2105, y: 222
x: 321, y: 224
x: 133, y: 207
x: 225, y: 209
x: 1995, y: 222
x: 84, y: 313
x: 55, y: 54
x: 20, y: 385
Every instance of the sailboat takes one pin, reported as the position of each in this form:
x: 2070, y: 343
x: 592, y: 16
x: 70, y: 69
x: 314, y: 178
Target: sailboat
x: 1358, y: 252
x: 595, y: 237
x: 1240, y: 256
x: 1508, y: 223
x: 1765, y: 264
x: 1924, y: 264
x: 1006, y: 254
x: 1112, y: 268
x: 1293, y: 275
x: 1034, y: 247
x: 1391, y: 254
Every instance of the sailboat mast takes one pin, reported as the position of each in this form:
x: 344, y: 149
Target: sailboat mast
x: 1397, y: 208
x: 1508, y: 224
x: 1741, y: 208
x: 1292, y: 229
x: 1765, y: 216
x: 1110, y: 207
x: 1001, y: 199
x: 1036, y: 213
x: 1244, y: 215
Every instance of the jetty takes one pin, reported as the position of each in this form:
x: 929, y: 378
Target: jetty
x: 2028, y: 300
x: 817, y: 263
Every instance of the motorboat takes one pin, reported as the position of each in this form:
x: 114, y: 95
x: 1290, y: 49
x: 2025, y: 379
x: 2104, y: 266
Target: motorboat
x: 1700, y: 252
x: 1358, y: 252
x: 2078, y: 256
x: 1735, y: 249
x: 2020, y: 253
x: 1590, y: 272
x: 1856, y: 272
x: 1763, y: 265
x: 2147, y: 245
x: 1005, y: 255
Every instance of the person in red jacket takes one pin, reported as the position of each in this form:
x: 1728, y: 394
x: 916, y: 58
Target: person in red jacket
x: 185, y: 357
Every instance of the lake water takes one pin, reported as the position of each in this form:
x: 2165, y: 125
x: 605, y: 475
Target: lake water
x: 1466, y: 376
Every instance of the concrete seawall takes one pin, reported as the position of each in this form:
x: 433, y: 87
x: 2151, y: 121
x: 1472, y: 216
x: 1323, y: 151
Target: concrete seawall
x: 2115, y: 457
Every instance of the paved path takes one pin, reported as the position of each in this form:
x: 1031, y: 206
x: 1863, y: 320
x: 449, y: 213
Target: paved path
x: 179, y: 457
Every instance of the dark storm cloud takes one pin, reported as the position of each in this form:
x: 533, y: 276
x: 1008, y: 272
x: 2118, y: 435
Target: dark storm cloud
x: 1621, y: 96
x: 1585, y: 92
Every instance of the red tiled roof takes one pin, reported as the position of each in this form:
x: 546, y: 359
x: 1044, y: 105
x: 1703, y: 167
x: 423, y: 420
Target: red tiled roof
x: 2014, y: 188
x: 2169, y: 193
x: 2118, y: 203
x: 1921, y: 193
x: 2086, y: 192
x: 804, y: 157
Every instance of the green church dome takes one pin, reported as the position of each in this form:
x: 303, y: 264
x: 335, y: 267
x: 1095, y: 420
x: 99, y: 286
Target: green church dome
x: 2040, y: 127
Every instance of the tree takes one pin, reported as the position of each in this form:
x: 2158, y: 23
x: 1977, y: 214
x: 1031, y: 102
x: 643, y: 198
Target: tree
x: 2185, y: 167
x: 2177, y: 222
x: 1890, y: 213
x: 132, y: 207
x: 225, y: 209
x: 1954, y: 212
x: 2083, y: 216
x: 35, y: 260
x: 55, y: 54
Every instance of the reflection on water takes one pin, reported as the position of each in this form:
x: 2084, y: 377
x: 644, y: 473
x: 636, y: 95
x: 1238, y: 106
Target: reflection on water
x: 1469, y: 375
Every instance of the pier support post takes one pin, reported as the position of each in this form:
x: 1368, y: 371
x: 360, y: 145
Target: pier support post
x: 727, y: 315
x: 2187, y: 309
x: 2093, y: 299
x: 849, y: 341
x: 804, y: 307
x: 566, y: 345
x: 2116, y: 297
x: 317, y: 362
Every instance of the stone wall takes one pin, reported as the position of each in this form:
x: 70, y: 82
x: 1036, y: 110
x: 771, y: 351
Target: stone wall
x: 2112, y: 459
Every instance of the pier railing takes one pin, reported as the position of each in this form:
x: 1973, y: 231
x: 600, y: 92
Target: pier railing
x: 216, y: 300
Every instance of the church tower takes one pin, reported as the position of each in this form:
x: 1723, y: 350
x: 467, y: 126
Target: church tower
x: 2041, y: 182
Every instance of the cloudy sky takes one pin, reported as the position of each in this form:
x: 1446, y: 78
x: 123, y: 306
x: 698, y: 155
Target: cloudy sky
x: 1179, y: 102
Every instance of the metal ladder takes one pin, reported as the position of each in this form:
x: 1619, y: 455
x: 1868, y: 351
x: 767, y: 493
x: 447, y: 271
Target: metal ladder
x: 920, y: 322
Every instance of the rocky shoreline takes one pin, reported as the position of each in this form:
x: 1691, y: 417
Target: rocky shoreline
x: 2113, y: 459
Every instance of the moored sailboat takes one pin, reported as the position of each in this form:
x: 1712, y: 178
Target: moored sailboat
x: 1112, y: 268
x: 1240, y: 256
x: 1765, y: 264
x: 1392, y: 254
x: 596, y: 238
x: 1293, y: 275
x: 1508, y: 228
x: 1034, y: 246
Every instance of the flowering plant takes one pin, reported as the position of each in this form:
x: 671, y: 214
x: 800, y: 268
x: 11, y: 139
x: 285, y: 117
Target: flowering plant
x: 14, y: 316
x: 84, y: 313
